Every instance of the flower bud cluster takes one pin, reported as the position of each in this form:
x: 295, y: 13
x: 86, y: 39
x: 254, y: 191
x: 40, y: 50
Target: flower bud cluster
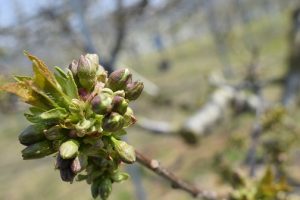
x: 79, y: 117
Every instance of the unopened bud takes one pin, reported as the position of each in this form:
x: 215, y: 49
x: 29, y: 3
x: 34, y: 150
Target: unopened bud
x: 105, y: 188
x: 79, y: 163
x: 69, y: 149
x: 120, y: 93
x: 118, y: 134
x: 129, y: 118
x: 134, y: 90
x: 95, y: 189
x: 73, y: 67
x: 119, y: 176
x: 31, y: 135
x: 87, y: 70
x: 102, y: 103
x: 82, y: 126
x: 118, y: 79
x: 38, y: 150
x: 119, y: 105
x: 67, y: 175
x: 107, y: 91
x: 81, y: 177
x: 101, y: 74
x: 125, y: 151
x: 54, y: 133
x: 62, y: 163
x: 88, y: 65
x: 113, y: 122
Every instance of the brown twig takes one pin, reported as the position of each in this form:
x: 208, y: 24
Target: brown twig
x: 176, y: 182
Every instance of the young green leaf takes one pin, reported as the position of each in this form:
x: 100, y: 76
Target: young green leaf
x: 45, y: 81
x: 67, y: 82
x: 56, y: 113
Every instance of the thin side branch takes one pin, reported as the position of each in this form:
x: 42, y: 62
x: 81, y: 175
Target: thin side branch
x: 176, y: 182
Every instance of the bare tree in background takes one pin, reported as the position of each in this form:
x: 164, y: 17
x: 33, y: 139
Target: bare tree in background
x: 219, y: 32
x: 122, y: 15
x: 292, y: 82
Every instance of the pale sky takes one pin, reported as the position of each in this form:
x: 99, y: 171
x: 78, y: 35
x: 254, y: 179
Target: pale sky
x: 30, y: 7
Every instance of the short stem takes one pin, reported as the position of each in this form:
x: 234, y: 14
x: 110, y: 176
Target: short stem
x: 91, y: 97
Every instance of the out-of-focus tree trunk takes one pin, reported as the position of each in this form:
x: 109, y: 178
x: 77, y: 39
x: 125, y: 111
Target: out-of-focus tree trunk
x: 78, y: 6
x: 292, y: 82
x: 122, y: 16
x: 88, y: 44
x: 219, y: 35
x: 120, y: 24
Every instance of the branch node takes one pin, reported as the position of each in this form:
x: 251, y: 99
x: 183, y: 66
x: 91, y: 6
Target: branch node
x: 154, y: 164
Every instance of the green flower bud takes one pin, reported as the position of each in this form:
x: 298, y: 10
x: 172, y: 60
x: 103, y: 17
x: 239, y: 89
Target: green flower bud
x: 94, y: 60
x: 107, y: 91
x: 95, y: 189
x: 125, y: 151
x: 113, y: 122
x: 88, y: 65
x: 95, y: 174
x: 129, y: 118
x: 102, y: 103
x: 82, y: 126
x: 134, y: 90
x: 118, y: 134
x: 105, y: 188
x: 87, y: 70
x: 120, y: 93
x: 118, y: 79
x: 87, y: 83
x: 38, y: 150
x: 119, y: 176
x: 119, y: 105
x: 73, y: 67
x: 79, y: 163
x: 54, y: 133
x: 81, y: 177
x: 101, y: 74
x: 69, y: 149
x: 31, y: 135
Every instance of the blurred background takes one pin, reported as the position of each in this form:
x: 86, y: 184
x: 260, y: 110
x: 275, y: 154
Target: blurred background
x: 221, y: 96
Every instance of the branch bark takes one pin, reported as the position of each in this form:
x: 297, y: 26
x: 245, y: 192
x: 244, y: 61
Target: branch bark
x: 176, y: 182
